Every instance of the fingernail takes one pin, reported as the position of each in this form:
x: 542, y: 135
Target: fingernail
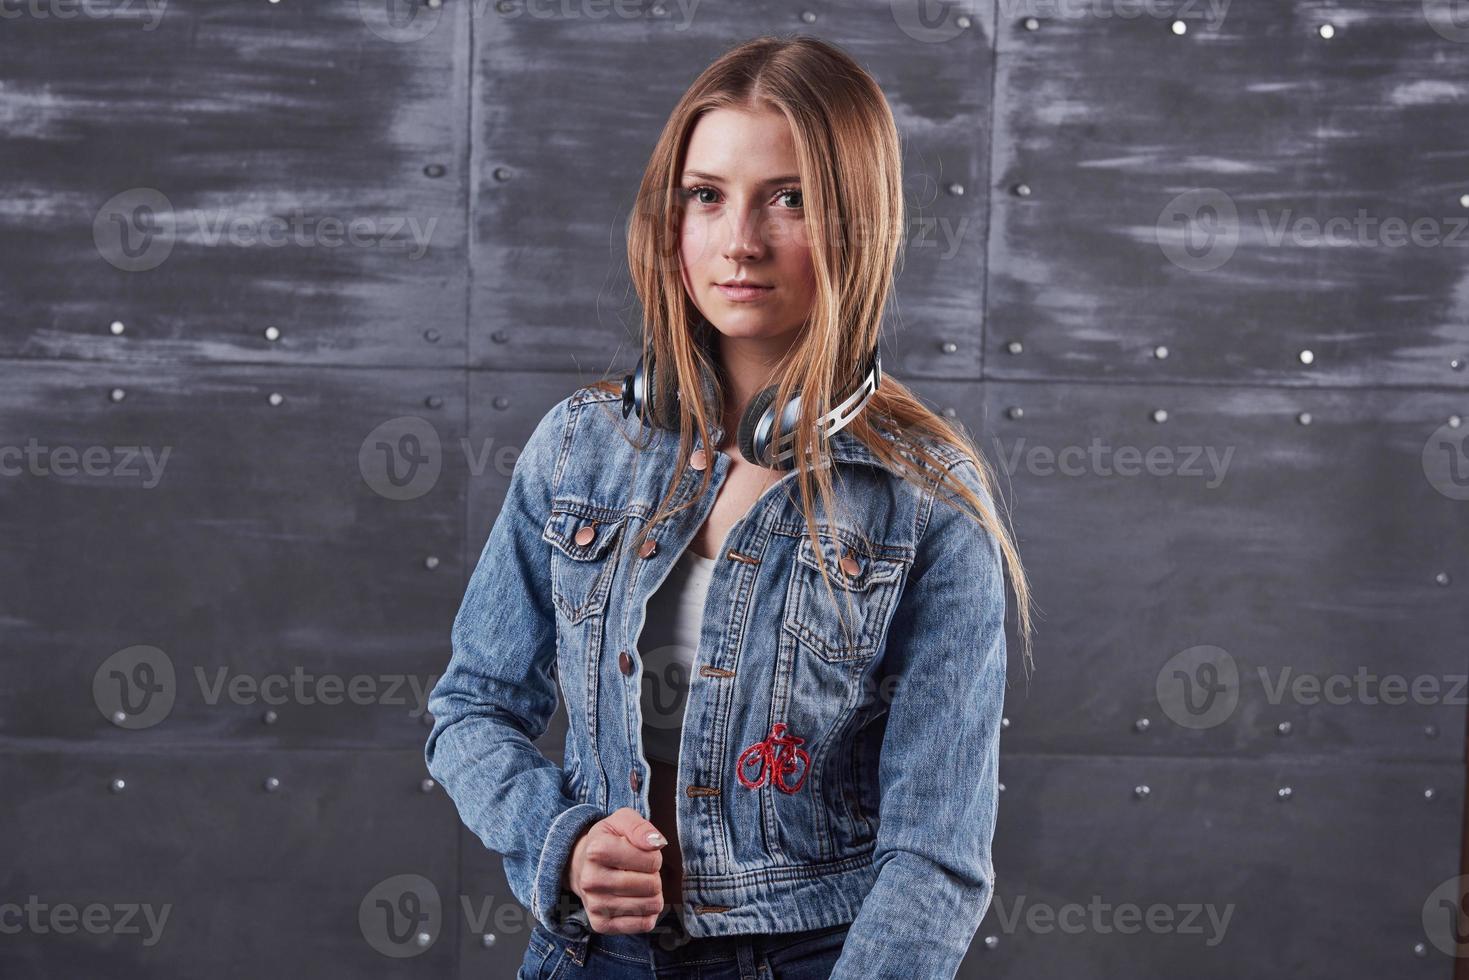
x: 657, y: 839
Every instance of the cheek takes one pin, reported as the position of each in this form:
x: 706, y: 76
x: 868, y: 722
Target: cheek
x: 693, y: 243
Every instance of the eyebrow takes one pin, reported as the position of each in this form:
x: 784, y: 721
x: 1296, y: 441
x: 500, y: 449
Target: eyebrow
x: 701, y: 175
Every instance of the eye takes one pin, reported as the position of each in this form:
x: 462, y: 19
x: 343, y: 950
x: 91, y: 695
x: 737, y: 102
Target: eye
x: 794, y: 191
x: 694, y: 192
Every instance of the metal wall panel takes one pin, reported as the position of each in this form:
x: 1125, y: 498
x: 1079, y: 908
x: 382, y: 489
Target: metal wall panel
x: 1174, y: 181
x: 241, y: 882
x: 201, y: 171
x: 262, y: 542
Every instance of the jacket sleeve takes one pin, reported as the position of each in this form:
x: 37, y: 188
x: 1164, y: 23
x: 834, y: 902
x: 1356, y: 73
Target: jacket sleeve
x: 939, y: 767
x: 498, y: 694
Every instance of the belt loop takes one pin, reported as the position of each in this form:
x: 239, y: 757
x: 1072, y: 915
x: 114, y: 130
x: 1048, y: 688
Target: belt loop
x: 745, y: 954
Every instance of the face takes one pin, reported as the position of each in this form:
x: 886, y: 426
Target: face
x: 743, y: 220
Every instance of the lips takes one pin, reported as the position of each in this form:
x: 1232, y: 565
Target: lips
x: 743, y: 291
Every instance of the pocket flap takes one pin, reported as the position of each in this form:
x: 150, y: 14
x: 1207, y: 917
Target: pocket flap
x: 871, y: 568
x: 568, y: 526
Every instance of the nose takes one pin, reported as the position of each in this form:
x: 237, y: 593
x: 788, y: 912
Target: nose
x: 743, y: 241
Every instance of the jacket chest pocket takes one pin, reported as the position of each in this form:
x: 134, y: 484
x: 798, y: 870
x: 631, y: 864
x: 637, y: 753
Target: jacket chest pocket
x: 848, y: 623
x: 582, y: 557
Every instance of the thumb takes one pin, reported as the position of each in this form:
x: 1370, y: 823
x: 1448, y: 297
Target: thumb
x: 629, y: 824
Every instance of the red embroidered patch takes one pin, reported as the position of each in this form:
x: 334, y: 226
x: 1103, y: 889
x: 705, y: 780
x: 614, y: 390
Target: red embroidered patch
x: 775, y: 758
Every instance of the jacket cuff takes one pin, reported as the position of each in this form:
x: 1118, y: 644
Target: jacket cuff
x: 560, y: 911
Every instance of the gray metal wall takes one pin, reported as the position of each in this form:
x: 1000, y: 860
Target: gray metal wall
x: 334, y: 259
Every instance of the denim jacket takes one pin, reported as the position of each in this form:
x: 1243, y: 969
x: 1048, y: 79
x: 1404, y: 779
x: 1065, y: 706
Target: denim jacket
x: 828, y: 776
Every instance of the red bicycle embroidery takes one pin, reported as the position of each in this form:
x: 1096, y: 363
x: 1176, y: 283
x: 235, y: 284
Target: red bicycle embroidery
x: 775, y: 759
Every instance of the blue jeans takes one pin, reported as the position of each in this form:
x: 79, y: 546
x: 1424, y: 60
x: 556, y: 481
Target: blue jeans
x: 669, y: 953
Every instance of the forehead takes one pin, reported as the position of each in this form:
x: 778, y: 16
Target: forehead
x: 741, y: 146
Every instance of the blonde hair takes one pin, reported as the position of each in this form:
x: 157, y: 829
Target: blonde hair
x: 850, y: 164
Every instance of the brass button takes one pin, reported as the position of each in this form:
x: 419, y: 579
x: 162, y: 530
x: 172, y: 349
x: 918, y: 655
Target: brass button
x: 699, y: 459
x: 624, y: 663
x: 586, y: 535
x: 635, y: 780
x: 648, y: 549
x: 850, y: 565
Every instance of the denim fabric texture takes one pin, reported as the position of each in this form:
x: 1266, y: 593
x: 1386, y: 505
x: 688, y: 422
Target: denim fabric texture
x: 881, y: 816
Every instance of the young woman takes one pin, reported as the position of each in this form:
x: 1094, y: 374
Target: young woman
x: 771, y: 586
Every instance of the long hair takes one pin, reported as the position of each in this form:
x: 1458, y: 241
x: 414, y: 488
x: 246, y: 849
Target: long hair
x: 850, y: 164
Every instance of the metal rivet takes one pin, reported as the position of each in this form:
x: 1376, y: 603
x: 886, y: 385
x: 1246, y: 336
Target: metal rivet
x: 500, y: 337
x: 276, y: 398
x: 435, y: 4
x: 119, y: 717
x: 500, y: 402
x: 1442, y: 578
x: 117, y: 785
x: 624, y: 663
x: 698, y: 459
x: 434, y: 170
x: 1160, y: 352
x: 1283, y: 794
x: 1464, y: 200
x: 1179, y: 27
x: 1160, y: 415
x: 1031, y: 24
x: 1429, y: 794
x: 1001, y: 787
x: 963, y: 21
x: 501, y: 173
x: 1284, y: 728
x: 117, y: 328
x: 648, y: 549
x: 1004, y: 721
x: 1141, y: 725
x: 1431, y: 731
x: 808, y: 17
x: 1455, y: 421
x: 948, y: 347
x: 431, y: 562
x: 586, y: 535
x: 426, y: 786
x: 1306, y: 357
x: 1142, y: 792
x: 1015, y: 347
x: 424, y: 940
x: 117, y: 394
x: 990, y: 942
x: 487, y: 940
x: 950, y: 412
x: 1022, y: 190
x: 1015, y: 412
x: 659, y: 10
x: 1304, y: 418
x: 850, y: 565
x: 1420, y: 949
x: 431, y: 335
x: 434, y: 401
x: 1327, y: 31
x: 269, y: 717
x: 956, y: 190
x: 272, y: 333
x: 272, y: 784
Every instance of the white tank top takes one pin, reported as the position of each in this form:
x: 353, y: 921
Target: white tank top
x: 668, y: 645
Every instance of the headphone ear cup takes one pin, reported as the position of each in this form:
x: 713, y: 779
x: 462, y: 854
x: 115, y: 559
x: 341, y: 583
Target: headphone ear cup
x: 750, y: 422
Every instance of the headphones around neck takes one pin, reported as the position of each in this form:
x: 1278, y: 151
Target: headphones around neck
x: 759, y: 441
